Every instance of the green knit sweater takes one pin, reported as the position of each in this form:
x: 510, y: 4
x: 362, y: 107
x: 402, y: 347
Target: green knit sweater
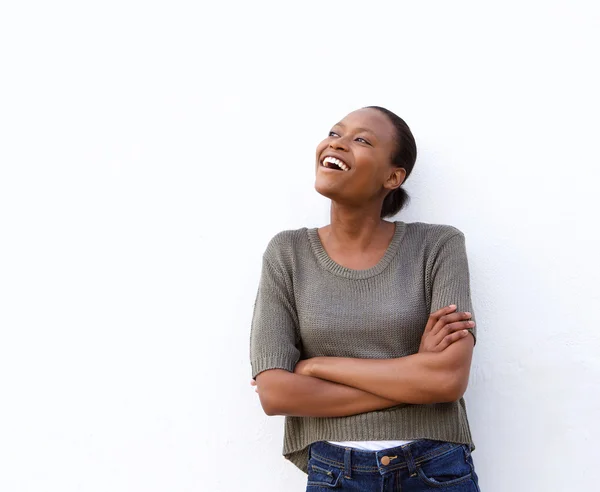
x: 308, y: 305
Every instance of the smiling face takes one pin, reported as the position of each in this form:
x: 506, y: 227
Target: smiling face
x: 354, y: 163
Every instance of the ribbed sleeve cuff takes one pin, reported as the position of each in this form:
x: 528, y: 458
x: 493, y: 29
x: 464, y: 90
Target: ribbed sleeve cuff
x: 279, y: 361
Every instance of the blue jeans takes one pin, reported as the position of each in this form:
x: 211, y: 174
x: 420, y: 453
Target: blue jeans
x: 421, y: 465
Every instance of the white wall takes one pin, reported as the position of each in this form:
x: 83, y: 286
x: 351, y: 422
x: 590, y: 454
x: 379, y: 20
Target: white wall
x: 149, y: 150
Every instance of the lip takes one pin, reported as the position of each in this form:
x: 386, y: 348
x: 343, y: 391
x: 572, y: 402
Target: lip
x: 337, y: 156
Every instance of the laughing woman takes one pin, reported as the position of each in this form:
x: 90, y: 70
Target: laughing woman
x: 363, y: 332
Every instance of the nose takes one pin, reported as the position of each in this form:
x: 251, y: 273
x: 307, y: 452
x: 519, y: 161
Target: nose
x: 338, y: 144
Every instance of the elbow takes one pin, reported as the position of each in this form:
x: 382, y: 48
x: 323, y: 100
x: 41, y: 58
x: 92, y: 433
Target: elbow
x: 267, y: 403
x: 454, y: 387
x: 270, y: 402
x: 270, y: 410
x: 272, y: 391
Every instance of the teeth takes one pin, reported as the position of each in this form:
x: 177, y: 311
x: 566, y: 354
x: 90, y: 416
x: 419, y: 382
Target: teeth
x: 339, y: 163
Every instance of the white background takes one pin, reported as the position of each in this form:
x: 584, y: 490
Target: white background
x: 149, y: 151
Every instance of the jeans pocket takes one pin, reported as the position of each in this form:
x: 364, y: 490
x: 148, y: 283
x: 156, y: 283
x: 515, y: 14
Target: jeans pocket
x: 323, y: 475
x: 446, y: 470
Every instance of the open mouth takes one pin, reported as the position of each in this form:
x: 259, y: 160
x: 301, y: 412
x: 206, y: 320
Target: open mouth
x: 334, y: 163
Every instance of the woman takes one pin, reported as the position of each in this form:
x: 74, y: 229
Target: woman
x: 363, y: 332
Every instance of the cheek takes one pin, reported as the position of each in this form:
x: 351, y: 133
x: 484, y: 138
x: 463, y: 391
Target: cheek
x: 372, y: 170
x: 368, y: 161
x: 320, y: 148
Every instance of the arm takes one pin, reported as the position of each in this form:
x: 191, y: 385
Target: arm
x: 421, y: 378
x: 285, y: 393
x: 275, y: 351
x: 282, y: 394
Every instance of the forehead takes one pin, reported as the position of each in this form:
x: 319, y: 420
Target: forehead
x: 370, y: 119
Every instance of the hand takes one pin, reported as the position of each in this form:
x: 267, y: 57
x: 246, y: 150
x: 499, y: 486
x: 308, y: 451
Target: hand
x: 303, y: 367
x: 445, y: 327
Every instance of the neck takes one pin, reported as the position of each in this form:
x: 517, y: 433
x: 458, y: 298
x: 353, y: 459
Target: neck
x: 356, y: 228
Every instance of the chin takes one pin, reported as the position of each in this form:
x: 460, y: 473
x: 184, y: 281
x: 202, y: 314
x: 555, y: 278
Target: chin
x: 324, y: 189
x: 330, y: 192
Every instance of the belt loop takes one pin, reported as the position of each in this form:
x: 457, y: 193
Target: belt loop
x: 412, y: 469
x: 467, y: 449
x: 348, y: 463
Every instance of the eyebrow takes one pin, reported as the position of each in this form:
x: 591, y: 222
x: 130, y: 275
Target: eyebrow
x: 357, y: 129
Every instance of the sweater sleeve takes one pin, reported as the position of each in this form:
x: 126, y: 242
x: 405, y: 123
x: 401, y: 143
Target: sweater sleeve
x: 274, y: 343
x: 449, y: 277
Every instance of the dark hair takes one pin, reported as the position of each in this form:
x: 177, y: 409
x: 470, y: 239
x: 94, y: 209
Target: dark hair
x: 405, y: 157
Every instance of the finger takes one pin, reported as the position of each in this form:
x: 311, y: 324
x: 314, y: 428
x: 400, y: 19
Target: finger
x: 434, y: 317
x: 451, y: 328
x: 449, y: 318
x: 450, y: 339
x: 457, y: 325
x: 446, y: 320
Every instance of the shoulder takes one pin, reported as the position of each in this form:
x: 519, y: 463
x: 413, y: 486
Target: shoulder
x: 285, y: 245
x: 433, y: 234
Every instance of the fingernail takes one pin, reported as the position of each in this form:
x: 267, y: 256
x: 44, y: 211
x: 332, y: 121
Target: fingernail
x: 464, y: 332
x: 467, y: 313
x: 452, y: 306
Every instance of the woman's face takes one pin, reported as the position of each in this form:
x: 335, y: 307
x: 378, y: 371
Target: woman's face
x: 354, y: 163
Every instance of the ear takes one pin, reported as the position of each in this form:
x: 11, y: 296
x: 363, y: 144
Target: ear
x: 395, y: 179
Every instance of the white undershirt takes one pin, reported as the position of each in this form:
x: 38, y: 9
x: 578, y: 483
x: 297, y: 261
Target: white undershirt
x: 370, y: 445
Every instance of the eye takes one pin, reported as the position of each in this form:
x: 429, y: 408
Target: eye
x: 360, y: 139
x: 333, y: 134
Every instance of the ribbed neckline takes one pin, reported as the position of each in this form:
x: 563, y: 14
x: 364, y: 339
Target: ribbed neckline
x: 342, y: 271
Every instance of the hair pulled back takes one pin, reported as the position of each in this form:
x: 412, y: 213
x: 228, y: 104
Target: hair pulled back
x: 404, y: 156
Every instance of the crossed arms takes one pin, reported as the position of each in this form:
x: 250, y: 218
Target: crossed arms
x: 341, y: 386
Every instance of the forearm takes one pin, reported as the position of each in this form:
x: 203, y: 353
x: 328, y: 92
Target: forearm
x: 418, y: 379
x: 286, y: 393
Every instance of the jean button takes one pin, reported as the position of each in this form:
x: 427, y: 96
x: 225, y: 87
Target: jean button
x: 385, y: 460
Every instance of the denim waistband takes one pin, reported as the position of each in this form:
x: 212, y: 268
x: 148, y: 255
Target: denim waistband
x: 383, y: 461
